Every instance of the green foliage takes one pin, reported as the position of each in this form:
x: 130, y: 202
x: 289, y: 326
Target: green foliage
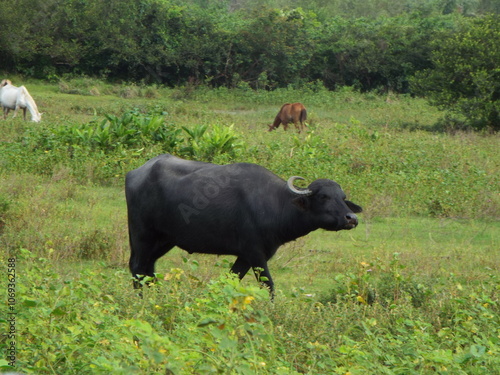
x: 465, y: 78
x: 131, y: 130
x: 391, y: 289
x: 89, y: 327
x: 203, y: 145
x: 94, y: 245
x: 265, y: 45
x: 374, y: 54
x: 85, y: 319
x: 5, y: 204
x: 134, y: 130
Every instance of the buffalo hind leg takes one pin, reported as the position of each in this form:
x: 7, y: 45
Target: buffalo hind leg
x: 261, y: 271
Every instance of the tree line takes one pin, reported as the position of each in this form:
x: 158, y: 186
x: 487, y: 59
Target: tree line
x: 263, y: 44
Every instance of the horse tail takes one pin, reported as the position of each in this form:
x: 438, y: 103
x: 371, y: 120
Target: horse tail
x: 30, y: 104
x: 303, y: 115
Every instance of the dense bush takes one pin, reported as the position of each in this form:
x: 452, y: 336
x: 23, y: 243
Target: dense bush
x: 465, y: 76
x: 223, y: 43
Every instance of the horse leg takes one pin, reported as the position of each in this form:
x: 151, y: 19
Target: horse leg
x: 301, y: 126
x: 5, y: 112
x: 24, y: 114
x: 296, y: 123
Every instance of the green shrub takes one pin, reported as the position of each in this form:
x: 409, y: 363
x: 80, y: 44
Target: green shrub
x: 465, y: 79
x: 94, y: 245
x: 389, y: 289
x: 203, y: 145
x: 131, y: 130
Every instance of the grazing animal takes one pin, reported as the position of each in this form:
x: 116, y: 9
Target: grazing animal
x: 236, y: 209
x: 290, y: 112
x: 12, y: 97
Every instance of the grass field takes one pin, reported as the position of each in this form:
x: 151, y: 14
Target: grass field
x: 414, y: 289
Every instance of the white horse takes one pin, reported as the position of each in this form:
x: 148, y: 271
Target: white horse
x: 12, y: 97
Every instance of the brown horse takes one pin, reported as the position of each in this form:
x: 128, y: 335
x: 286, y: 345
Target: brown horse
x: 290, y: 112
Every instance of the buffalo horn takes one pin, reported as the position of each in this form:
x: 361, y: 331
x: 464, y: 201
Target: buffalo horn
x: 293, y: 189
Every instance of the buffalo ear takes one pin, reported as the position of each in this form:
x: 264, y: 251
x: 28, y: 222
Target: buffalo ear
x: 354, y: 207
x: 301, y: 202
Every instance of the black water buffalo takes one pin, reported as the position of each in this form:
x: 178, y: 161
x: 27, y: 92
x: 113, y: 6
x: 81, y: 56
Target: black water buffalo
x: 237, y: 209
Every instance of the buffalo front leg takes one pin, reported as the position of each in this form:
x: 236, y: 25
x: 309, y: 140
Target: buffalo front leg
x: 263, y: 275
x: 143, y: 258
x: 240, y: 267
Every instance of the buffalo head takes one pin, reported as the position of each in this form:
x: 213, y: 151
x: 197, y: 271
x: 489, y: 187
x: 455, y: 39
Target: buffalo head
x: 326, y: 204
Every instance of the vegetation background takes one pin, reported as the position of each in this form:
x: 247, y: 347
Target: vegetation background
x: 413, y: 290
x: 443, y: 49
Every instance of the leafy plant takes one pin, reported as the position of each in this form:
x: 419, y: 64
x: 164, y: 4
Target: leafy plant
x: 205, y: 145
x: 130, y: 130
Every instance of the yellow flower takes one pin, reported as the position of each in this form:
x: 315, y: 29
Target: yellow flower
x: 248, y: 300
x: 362, y: 300
x: 175, y: 273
